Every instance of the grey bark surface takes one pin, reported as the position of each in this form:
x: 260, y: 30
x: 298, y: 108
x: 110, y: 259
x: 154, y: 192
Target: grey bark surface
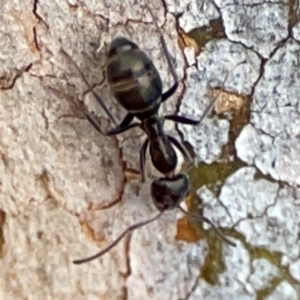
x: 66, y: 191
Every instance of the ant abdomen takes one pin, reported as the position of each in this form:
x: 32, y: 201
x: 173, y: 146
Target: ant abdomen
x: 133, y: 78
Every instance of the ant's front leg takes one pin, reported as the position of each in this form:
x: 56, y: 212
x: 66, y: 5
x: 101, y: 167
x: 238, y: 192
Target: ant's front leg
x: 123, y: 126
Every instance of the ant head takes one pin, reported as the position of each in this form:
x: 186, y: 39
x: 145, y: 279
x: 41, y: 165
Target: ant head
x: 119, y: 45
x: 168, y: 193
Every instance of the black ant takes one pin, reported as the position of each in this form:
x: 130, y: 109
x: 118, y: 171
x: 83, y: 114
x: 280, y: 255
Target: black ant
x: 137, y: 86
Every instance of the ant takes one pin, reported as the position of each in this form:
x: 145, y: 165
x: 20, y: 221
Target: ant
x: 137, y: 86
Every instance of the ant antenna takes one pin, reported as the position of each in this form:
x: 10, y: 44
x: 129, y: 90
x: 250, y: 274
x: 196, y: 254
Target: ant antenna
x: 206, y: 220
x: 121, y: 236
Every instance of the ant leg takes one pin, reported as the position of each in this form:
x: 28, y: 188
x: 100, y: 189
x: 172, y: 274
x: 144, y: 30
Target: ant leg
x: 100, y: 101
x: 184, y: 120
x: 181, y: 148
x: 166, y: 95
x: 143, y: 159
x: 180, y: 119
x: 124, y: 126
x: 104, y: 107
x: 126, y: 121
x: 174, y: 87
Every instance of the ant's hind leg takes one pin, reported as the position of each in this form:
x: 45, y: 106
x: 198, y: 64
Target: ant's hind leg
x: 184, y: 120
x: 166, y: 95
x: 123, y: 126
x: 104, y: 107
x: 208, y: 109
x: 174, y: 87
x: 97, y: 97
